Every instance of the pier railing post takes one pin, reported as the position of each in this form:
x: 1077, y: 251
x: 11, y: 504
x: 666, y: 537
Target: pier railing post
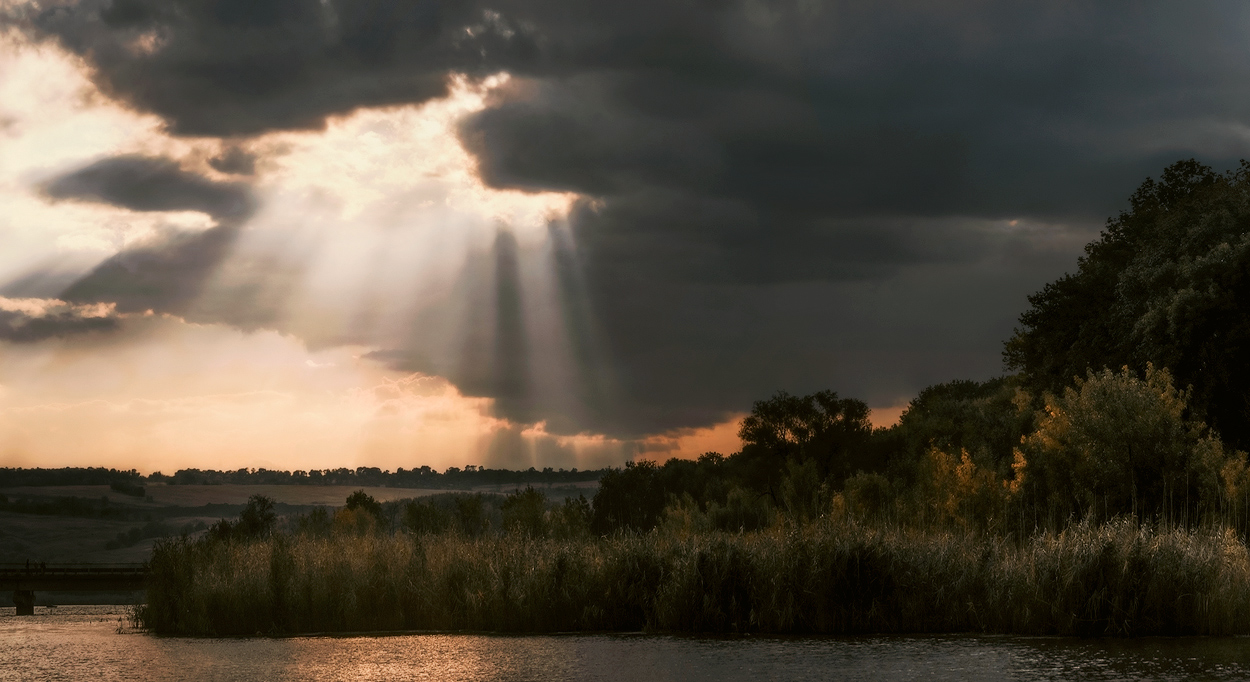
x: 24, y: 600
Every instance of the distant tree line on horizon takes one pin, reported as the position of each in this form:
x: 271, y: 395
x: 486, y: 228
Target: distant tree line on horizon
x: 453, y: 478
x: 11, y: 477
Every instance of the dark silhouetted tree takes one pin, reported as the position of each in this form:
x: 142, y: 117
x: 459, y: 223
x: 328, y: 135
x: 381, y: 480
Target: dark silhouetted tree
x: 571, y: 519
x: 470, y: 514
x: 629, y: 499
x: 423, y: 517
x: 832, y: 432
x: 986, y: 419
x: 359, y: 501
x: 1168, y: 282
x: 523, y: 511
x: 257, y: 518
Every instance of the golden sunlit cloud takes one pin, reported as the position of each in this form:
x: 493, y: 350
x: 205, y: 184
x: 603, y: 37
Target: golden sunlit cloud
x: 43, y: 307
x: 394, y: 164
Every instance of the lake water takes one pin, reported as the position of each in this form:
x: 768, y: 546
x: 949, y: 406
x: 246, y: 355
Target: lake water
x: 84, y: 643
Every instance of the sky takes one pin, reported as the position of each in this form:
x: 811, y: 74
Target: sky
x: 305, y: 234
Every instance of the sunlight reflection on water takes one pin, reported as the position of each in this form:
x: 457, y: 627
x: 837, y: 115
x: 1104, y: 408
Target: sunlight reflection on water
x: 76, y: 643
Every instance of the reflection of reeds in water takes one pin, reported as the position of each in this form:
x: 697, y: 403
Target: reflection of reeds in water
x: 821, y: 578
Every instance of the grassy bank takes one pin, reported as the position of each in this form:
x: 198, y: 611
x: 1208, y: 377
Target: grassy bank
x: 823, y: 577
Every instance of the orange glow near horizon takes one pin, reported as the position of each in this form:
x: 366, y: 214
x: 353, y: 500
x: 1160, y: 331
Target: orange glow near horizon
x: 182, y: 395
x: 723, y: 437
x: 883, y: 417
x: 691, y: 443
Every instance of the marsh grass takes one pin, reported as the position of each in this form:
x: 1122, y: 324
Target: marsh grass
x: 825, y: 577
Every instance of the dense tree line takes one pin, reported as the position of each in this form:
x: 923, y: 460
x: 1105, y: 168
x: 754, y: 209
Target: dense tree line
x: 14, y: 477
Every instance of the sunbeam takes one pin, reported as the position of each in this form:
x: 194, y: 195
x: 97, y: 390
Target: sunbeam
x: 374, y: 237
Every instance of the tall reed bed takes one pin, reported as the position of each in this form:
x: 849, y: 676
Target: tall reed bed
x: 841, y: 578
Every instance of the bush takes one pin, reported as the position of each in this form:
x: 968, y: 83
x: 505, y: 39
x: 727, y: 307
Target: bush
x: 570, y: 520
x: 127, y: 488
x: 743, y: 511
x: 257, y: 518
x: 523, y: 512
x: 360, y: 501
x: 628, y: 499
x: 471, y: 515
x: 868, y: 496
x: 1119, y: 444
x: 424, y: 517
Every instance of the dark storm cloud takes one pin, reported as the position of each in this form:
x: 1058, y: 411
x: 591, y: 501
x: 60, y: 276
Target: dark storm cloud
x: 690, y: 353
x: 764, y: 148
x: 167, y: 273
x: 895, y: 108
x: 234, y: 161
x: 143, y: 183
x: 230, y: 67
x: 52, y: 320
x: 792, y: 194
x: 723, y: 240
x: 798, y: 108
x: 795, y: 107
